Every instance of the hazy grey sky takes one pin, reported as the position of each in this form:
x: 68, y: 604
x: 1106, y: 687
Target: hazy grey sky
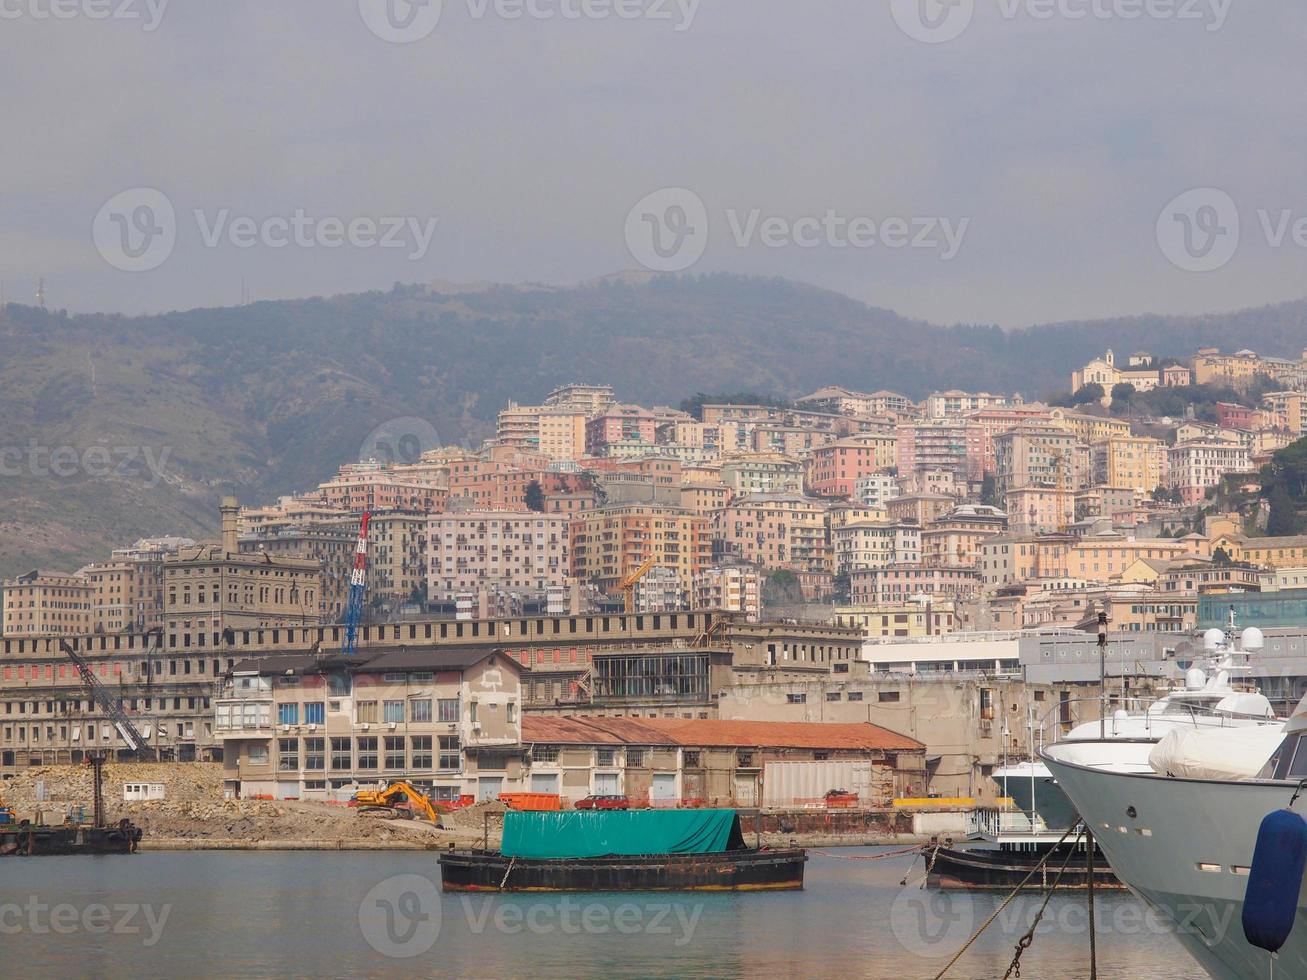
x: 1030, y: 158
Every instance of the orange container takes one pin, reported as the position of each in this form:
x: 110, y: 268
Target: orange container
x: 532, y: 801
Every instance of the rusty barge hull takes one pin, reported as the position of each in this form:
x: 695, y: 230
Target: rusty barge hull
x: 487, y: 871
x: 983, y: 869
x: 31, y: 841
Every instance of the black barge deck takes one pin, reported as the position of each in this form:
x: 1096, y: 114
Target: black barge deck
x: 746, y: 870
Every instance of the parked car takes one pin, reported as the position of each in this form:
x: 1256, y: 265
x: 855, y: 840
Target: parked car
x: 604, y: 802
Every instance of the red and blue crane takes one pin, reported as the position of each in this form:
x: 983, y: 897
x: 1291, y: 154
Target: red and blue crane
x: 358, y: 585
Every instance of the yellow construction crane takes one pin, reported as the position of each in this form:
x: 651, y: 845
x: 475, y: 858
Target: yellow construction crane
x: 628, y: 583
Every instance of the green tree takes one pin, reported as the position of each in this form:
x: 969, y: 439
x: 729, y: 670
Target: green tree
x: 1283, y: 519
x: 535, y: 497
x: 989, y: 490
x: 1220, y: 557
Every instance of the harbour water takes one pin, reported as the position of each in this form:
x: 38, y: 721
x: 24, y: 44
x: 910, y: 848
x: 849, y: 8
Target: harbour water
x: 379, y: 914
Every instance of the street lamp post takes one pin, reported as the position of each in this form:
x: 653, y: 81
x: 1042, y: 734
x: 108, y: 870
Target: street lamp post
x: 1102, y: 675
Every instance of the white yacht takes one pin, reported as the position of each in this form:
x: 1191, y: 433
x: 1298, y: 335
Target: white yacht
x: 1181, y: 834
x: 1206, y: 700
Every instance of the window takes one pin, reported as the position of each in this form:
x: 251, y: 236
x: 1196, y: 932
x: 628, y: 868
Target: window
x: 691, y: 760
x: 421, y: 747
x: 365, y: 713
x: 313, y: 754
x: 420, y: 710
x: 342, y: 759
x: 605, y: 757
x: 635, y: 758
x: 797, y: 698
x: 855, y: 695
x: 394, y: 712
x: 367, y: 751
x: 394, y: 752
x: 887, y: 697
x: 512, y: 712
x: 544, y: 753
x: 447, y: 709
x: 288, y: 714
x: 832, y: 695
x: 338, y: 685
x: 258, y: 755
x: 744, y: 760
x: 288, y: 754
x: 451, y: 758
x: 313, y: 714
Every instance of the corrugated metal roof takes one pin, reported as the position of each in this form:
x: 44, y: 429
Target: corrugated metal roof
x: 702, y: 733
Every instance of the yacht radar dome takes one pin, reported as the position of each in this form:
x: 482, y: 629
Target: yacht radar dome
x: 1213, y: 639
x: 1195, y: 679
x: 1252, y: 639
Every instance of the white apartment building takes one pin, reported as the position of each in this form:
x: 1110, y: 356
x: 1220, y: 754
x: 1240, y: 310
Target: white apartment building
x: 1192, y: 467
x: 865, y: 544
x: 511, y: 550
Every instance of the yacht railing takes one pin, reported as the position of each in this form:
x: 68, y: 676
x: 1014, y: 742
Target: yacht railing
x: 995, y: 823
x: 1175, y: 714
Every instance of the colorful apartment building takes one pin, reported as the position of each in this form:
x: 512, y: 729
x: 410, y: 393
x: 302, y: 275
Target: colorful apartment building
x: 1137, y: 462
x: 48, y: 603
x: 520, y: 551
x: 1194, y: 467
x: 834, y: 469
x: 619, y: 424
x: 610, y: 543
x: 773, y: 530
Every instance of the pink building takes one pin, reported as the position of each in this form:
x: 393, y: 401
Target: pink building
x: 372, y: 486
x: 900, y: 583
x: 834, y: 469
x: 619, y: 423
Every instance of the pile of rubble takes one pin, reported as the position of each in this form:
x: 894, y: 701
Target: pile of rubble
x: 193, y: 812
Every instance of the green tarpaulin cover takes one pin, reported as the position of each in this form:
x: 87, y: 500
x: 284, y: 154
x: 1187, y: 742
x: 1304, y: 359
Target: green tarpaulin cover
x: 584, y: 834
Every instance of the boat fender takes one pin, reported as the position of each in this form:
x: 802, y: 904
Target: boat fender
x: 1270, y: 901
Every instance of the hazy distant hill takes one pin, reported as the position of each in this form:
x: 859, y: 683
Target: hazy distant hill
x: 272, y: 397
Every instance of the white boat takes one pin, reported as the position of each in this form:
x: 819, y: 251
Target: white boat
x: 1185, y: 845
x: 1207, y: 700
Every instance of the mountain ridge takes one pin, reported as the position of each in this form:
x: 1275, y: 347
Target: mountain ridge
x: 272, y: 397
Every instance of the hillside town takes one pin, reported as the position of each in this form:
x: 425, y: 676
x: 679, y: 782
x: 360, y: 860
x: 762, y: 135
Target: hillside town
x: 607, y: 597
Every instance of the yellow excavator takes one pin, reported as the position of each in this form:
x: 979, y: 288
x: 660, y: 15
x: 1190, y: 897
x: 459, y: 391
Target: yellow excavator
x: 390, y: 798
x: 628, y: 583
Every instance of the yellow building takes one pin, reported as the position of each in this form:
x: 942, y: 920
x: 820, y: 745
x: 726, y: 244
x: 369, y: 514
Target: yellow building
x: 1290, y: 405
x: 609, y: 544
x: 1137, y: 462
x: 48, y: 603
x: 1282, y: 552
x: 1233, y: 370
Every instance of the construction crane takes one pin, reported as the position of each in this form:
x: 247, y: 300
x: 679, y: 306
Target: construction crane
x: 358, y: 585
x: 388, y: 799
x: 628, y: 583
x: 107, y: 703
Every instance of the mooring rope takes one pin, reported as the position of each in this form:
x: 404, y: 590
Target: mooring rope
x: 915, y: 849
x: 1006, y: 902
x: 1024, y: 943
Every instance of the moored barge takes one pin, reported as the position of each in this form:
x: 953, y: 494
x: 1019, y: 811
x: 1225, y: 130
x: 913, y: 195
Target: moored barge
x: 31, y: 840
x: 615, y: 851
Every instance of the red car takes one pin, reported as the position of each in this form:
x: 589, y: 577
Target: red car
x: 601, y: 802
